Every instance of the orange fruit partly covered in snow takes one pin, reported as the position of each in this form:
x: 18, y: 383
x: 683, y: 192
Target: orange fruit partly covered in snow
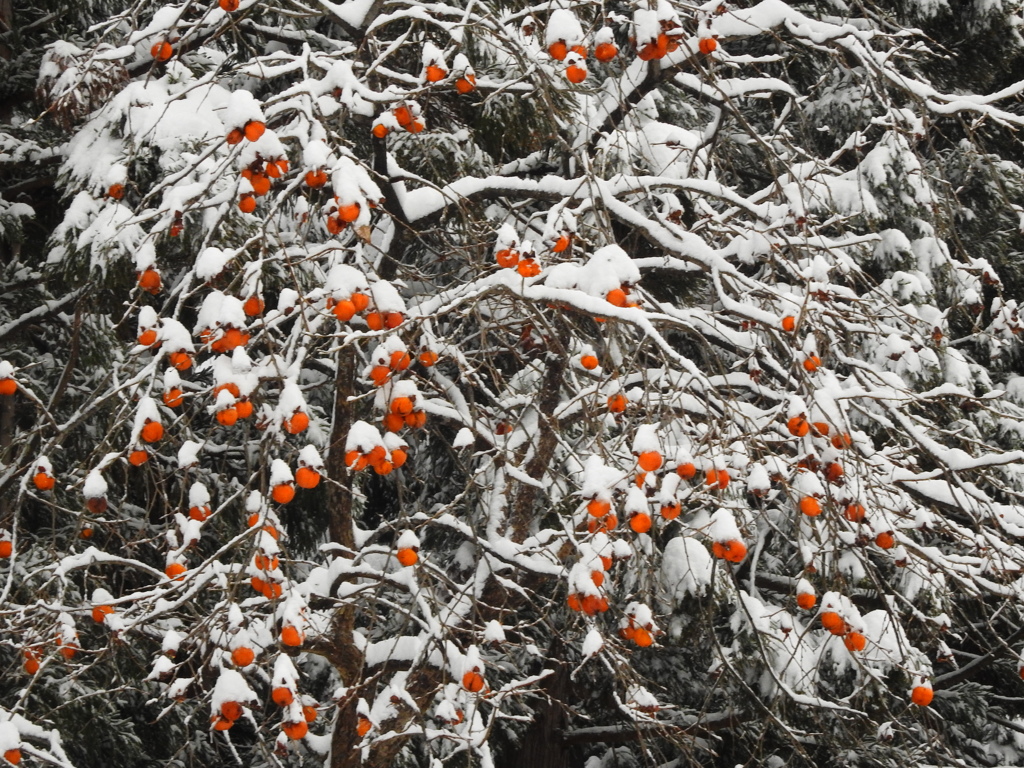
x: 8, y: 386
x: 407, y: 556
x: 243, y: 656
x: 283, y: 493
x: 854, y: 513
x: 833, y: 622
x: 43, y: 481
x: 307, y: 478
x: 855, y: 641
x: 363, y: 726
x: 295, y: 731
x: 161, y: 51
x: 229, y: 5
x: 810, y: 506
x: 291, y: 636
x: 436, y: 74
x: 798, y: 426
x: 617, y: 403
x: 13, y: 756
x: 473, y: 681
x: 575, y: 74
x: 922, y: 695
x: 282, y: 696
x: 558, y: 50
x: 152, y: 431
x: 640, y: 522
x: 297, y: 423
x: 254, y: 129
x: 149, y: 281
x: 605, y: 52
x: 649, y: 461
x: 788, y: 323
x: 598, y: 508
x: 806, y: 600
x: 707, y: 45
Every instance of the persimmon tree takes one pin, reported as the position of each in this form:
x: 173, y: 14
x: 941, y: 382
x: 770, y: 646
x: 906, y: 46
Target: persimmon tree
x: 495, y: 384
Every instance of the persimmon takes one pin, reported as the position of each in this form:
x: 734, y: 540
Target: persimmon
x: 834, y: 471
x: 375, y: 320
x: 473, y: 681
x: 649, y: 461
x: 200, y: 513
x: 717, y: 478
x: 363, y: 726
x: 227, y: 417
x: 833, y: 622
x: 562, y: 243
x: 115, y: 191
x: 344, y: 310
x: 295, y: 731
x: 707, y: 45
x: 922, y: 695
x: 528, y: 268
x: 308, y: 713
x: 841, y: 441
x: 282, y: 696
x: 788, y: 323
x: 507, y: 258
x: 398, y: 457
x: 175, y: 570
x: 417, y: 125
x: 138, y: 457
x: 379, y: 375
x: 402, y: 406
x: 466, y: 84
x: 810, y: 506
x: 806, y: 600
x: 8, y: 386
x: 307, y: 478
x: 149, y: 281
x: 247, y: 203
x: 655, y: 49
x: 243, y: 656
x: 13, y: 756
x: 283, y: 493
x: 291, y: 636
x: 598, y: 508
x: 686, y: 470
x: 605, y: 52
x: 221, y: 723
x: 798, y: 426
x: 855, y: 641
x: 436, y: 74
x: 597, y: 577
x: 262, y: 562
x: 97, y: 505
x: 360, y: 300
x: 231, y: 710
x: 379, y: 130
x: 260, y: 184
x: 558, y: 50
x: 181, y: 360
x: 670, y: 511
x: 161, y: 51
x: 885, y: 540
x: 229, y: 5
x: 428, y: 358
x: 616, y: 297
x: 243, y: 408
x: 31, y: 665
x: 316, y: 179
x: 254, y: 129
x: 297, y: 423
x: 617, y: 403
x: 399, y: 360
x: 407, y: 556
x: 43, y: 481
x: 820, y: 428
x: 812, y: 363
x: 403, y: 115
x: 147, y: 338
x: 643, y: 637
x: 575, y: 75
x: 6, y: 548
x: 152, y: 431
x: 640, y: 522
x: 732, y: 551
x: 574, y: 602
x: 855, y: 513
x: 235, y: 136
x: 349, y: 213
x: 100, y: 613
x: 394, y: 422
x: 416, y: 419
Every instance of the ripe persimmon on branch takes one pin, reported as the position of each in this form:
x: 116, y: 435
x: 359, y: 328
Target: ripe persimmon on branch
x: 521, y: 385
